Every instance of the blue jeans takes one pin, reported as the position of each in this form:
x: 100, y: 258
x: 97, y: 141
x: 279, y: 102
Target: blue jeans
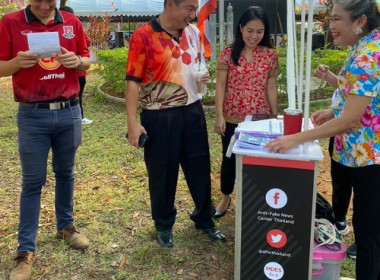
x: 38, y: 131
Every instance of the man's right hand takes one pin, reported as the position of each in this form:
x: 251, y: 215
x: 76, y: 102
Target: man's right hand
x: 26, y: 59
x: 134, y: 132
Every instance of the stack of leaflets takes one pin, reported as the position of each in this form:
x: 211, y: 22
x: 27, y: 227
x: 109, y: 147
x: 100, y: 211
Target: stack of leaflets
x: 256, y: 141
x: 255, y: 134
x: 270, y: 126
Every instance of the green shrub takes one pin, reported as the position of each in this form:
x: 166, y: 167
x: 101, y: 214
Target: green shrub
x: 334, y: 58
x: 211, y: 67
x: 6, y: 8
x: 113, y: 65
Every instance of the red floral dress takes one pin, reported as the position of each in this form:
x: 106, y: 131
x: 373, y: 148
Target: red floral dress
x: 246, y: 91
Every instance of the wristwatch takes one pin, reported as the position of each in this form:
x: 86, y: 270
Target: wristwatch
x: 80, y: 61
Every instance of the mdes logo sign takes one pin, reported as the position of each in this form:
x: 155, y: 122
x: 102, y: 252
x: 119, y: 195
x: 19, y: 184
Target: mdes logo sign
x: 276, y: 198
x: 49, y: 63
x: 276, y: 238
x: 273, y: 271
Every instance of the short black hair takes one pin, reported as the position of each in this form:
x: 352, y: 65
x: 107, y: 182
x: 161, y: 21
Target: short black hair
x: 67, y: 9
x: 177, y: 2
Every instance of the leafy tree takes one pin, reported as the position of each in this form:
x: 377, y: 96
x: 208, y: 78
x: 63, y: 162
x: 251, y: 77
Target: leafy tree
x: 98, y: 31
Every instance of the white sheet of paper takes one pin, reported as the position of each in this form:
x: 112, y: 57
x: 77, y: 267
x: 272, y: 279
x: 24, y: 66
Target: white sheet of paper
x: 273, y: 126
x: 44, y: 44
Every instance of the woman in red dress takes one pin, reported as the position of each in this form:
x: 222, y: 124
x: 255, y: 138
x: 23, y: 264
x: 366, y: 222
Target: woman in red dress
x: 246, y: 85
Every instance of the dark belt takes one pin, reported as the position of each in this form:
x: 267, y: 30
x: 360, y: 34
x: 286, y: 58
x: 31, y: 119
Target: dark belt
x: 53, y: 105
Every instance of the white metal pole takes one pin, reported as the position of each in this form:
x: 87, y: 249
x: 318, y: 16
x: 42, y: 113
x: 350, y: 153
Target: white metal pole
x: 308, y: 63
x: 300, y: 86
x: 213, y: 35
x: 290, y: 56
x: 221, y: 24
x: 295, y: 56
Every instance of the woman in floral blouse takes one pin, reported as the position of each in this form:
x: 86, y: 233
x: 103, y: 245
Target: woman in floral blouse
x: 246, y: 84
x: 354, y: 119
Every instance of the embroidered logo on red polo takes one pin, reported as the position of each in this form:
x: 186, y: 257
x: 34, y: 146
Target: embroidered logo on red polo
x: 49, y: 63
x: 68, y: 32
x: 25, y: 32
x: 276, y: 238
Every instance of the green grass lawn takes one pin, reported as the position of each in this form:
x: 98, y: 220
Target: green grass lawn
x: 112, y: 207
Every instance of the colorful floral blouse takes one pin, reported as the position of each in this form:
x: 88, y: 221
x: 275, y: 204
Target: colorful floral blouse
x: 360, y: 75
x: 246, y: 91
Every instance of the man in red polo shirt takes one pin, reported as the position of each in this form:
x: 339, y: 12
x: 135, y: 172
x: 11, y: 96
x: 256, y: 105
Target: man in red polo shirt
x: 48, y: 118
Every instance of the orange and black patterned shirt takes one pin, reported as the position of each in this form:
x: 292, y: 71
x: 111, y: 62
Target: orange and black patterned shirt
x: 163, y: 66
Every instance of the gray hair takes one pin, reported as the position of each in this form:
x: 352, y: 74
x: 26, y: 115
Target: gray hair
x: 357, y: 8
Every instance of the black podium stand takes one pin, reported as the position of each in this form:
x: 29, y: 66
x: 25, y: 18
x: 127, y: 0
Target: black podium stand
x: 275, y: 206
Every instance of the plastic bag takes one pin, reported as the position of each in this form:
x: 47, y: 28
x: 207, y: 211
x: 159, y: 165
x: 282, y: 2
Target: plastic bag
x: 323, y: 209
x: 326, y: 234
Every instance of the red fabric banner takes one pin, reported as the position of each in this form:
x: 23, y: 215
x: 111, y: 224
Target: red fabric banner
x: 207, y: 7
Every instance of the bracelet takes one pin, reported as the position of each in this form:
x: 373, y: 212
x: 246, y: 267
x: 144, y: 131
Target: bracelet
x: 81, y: 62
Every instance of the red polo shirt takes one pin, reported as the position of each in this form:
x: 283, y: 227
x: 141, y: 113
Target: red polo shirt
x: 48, y: 80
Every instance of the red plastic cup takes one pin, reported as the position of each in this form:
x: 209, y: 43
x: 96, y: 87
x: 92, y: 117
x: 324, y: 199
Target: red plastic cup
x: 292, y: 121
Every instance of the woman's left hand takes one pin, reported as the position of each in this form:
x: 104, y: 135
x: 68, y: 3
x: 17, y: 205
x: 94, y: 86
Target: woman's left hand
x: 282, y: 144
x: 321, y: 116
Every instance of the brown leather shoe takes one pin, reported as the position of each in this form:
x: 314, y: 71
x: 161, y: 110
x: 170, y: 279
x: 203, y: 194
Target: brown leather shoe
x: 23, y: 267
x: 73, y: 237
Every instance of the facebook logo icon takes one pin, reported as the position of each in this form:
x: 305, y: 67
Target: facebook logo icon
x: 276, y: 198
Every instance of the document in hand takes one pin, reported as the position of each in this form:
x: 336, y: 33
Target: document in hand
x: 44, y: 44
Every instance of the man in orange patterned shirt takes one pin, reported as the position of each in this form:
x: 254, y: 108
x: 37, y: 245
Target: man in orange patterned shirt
x: 162, y: 54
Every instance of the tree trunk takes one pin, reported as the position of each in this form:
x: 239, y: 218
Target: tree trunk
x: 328, y: 37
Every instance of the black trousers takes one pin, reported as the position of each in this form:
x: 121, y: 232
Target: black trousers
x: 82, y: 83
x: 178, y: 136
x: 366, y: 221
x: 365, y: 182
x: 228, y: 168
x: 341, y: 186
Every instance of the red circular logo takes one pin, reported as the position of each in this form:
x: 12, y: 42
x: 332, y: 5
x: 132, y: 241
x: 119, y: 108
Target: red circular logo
x: 276, y: 238
x: 49, y: 63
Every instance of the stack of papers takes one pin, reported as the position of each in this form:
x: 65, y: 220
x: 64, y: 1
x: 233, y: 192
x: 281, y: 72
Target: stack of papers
x: 255, y: 134
x: 253, y: 141
x: 270, y: 126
